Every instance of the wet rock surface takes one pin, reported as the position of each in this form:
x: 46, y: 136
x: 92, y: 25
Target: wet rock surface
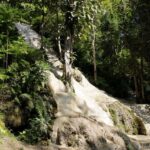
x: 126, y: 120
x: 83, y: 134
x: 142, y: 110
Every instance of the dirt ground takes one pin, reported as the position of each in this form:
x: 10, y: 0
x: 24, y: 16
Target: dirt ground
x: 9, y: 143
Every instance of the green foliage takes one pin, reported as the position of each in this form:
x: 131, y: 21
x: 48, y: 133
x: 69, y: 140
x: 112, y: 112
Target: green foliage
x: 28, y: 93
x: 3, y: 130
x: 121, y: 35
x: 28, y: 104
x: 8, y: 16
x: 39, y: 130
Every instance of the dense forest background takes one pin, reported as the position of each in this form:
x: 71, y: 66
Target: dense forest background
x: 110, y: 42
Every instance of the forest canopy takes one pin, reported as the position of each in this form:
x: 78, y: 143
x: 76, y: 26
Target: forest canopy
x: 109, y: 39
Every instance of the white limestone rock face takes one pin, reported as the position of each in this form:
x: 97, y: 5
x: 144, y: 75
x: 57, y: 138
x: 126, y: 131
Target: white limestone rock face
x: 30, y: 36
x: 147, y: 126
x: 92, y: 91
x: 83, y: 134
x: 85, y: 99
x: 76, y: 104
x: 34, y: 40
x: 87, y: 102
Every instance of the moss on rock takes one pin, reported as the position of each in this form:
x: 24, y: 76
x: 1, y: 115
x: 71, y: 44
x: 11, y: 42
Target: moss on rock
x: 125, y: 119
x: 3, y: 130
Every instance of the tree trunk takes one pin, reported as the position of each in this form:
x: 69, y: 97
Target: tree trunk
x: 138, y: 83
x: 67, y: 58
x: 59, y: 45
x: 58, y: 35
x: 6, y: 55
x: 136, y: 88
x: 69, y: 24
x: 42, y: 24
x: 141, y: 81
x: 94, y: 54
